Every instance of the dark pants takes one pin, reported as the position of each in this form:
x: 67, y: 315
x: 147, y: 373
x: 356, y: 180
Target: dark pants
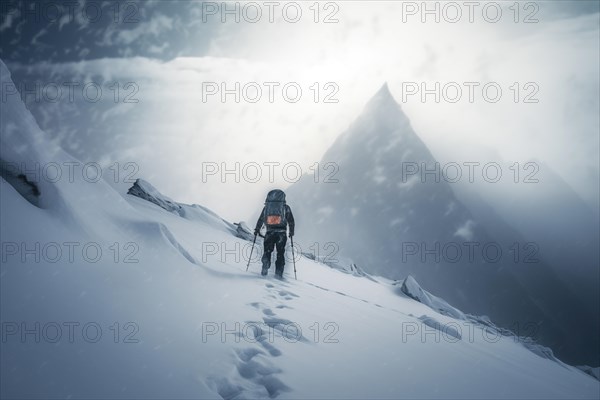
x: 274, y: 239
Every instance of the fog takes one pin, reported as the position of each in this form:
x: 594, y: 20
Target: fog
x: 178, y: 132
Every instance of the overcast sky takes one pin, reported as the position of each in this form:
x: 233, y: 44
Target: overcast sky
x: 173, y: 51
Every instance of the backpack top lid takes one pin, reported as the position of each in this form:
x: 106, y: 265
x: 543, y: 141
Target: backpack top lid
x: 276, y: 195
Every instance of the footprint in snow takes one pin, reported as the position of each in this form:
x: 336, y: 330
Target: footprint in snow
x: 285, y: 328
x: 254, y: 377
x: 286, y: 293
x: 255, y: 372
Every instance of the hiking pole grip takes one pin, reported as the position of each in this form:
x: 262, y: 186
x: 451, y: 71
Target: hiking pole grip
x: 251, y: 250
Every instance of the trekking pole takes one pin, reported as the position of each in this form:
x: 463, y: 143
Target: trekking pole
x: 251, y: 250
x: 293, y: 258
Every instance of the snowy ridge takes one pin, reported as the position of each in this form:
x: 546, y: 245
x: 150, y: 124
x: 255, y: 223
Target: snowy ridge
x: 346, y: 266
x: 412, y: 289
x: 144, y: 190
x: 194, y: 323
x: 594, y: 372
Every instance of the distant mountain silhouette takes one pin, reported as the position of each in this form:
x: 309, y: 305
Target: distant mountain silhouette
x: 394, y: 223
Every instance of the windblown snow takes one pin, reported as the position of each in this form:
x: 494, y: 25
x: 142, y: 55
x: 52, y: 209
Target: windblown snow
x: 107, y: 295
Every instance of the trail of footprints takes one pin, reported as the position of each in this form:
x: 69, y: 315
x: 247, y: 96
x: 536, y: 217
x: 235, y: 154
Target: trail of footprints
x: 256, y: 374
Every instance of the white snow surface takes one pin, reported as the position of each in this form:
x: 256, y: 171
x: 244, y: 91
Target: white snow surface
x: 193, y: 310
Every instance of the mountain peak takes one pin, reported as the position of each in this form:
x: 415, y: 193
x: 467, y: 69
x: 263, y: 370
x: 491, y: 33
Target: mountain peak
x: 384, y: 90
x: 383, y: 101
x: 384, y: 94
x: 384, y: 108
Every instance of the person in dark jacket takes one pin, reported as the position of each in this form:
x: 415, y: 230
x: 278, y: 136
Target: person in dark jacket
x: 277, y: 216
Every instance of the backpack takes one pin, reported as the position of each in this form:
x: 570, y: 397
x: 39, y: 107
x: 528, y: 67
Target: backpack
x: 275, y: 209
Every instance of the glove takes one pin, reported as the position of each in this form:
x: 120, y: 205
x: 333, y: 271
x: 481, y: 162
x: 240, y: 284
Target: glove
x: 291, y: 233
x: 256, y: 232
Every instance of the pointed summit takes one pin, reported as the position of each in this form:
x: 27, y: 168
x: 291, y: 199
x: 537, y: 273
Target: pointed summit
x: 381, y: 125
x: 384, y: 91
x: 384, y: 95
x: 381, y: 115
x: 384, y: 104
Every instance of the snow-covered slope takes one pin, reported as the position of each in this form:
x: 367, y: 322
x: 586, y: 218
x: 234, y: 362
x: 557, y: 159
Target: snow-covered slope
x: 152, y: 303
